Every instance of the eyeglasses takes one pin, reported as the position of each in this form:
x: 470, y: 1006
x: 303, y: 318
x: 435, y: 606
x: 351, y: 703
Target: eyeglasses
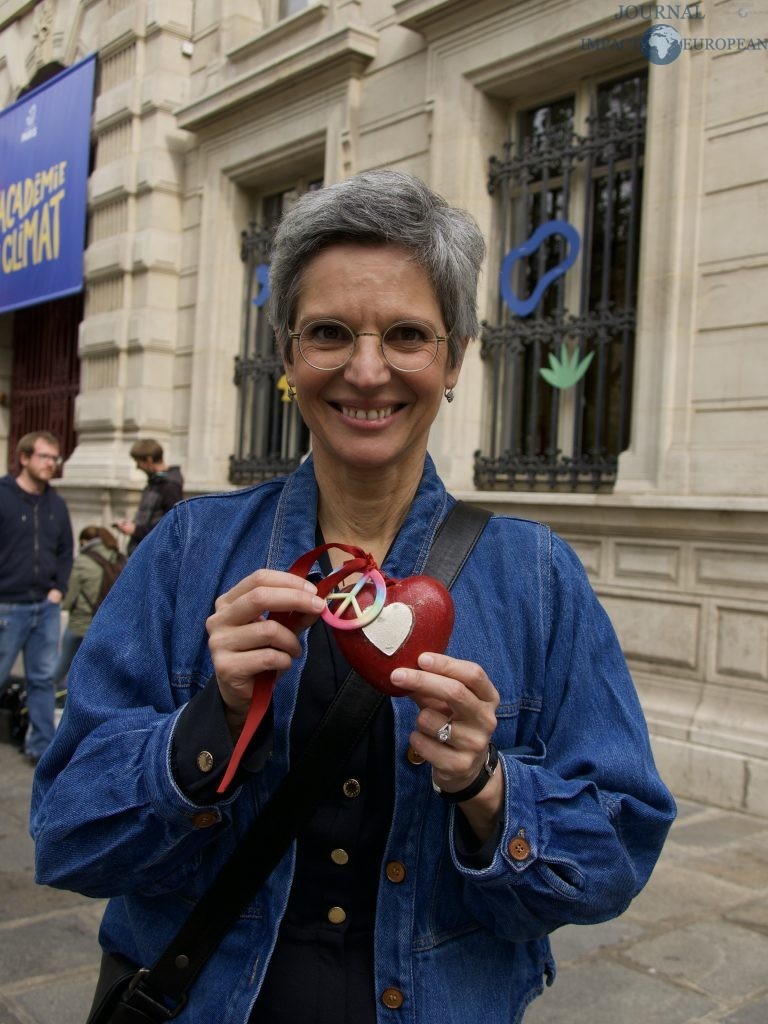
x: 408, y: 345
x: 44, y: 457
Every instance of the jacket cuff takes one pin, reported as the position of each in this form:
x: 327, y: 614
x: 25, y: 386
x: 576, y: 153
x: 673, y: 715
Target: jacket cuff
x: 517, y: 836
x: 202, y: 746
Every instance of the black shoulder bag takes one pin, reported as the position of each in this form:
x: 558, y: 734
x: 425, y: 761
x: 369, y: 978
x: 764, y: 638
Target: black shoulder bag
x: 128, y: 994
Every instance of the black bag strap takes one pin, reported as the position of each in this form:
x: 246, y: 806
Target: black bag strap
x: 160, y: 992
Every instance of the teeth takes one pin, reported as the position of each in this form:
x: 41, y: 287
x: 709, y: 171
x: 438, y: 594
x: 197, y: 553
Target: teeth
x: 367, y: 414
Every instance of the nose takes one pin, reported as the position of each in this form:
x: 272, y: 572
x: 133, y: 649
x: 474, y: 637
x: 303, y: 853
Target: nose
x: 367, y: 367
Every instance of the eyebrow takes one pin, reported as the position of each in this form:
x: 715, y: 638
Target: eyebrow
x: 398, y: 319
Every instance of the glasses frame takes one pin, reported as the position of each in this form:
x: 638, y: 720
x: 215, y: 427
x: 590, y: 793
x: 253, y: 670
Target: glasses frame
x: 296, y: 336
x: 57, y: 460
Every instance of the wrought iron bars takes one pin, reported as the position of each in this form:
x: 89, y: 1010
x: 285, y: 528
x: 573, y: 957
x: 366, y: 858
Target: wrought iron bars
x: 270, y: 433
x: 537, y: 436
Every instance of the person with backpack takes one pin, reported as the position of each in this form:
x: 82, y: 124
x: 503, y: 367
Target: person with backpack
x: 94, y: 570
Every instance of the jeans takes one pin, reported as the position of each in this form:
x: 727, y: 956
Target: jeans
x: 69, y: 647
x: 33, y: 628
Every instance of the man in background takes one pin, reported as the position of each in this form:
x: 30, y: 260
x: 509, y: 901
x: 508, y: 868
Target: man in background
x: 163, y: 491
x: 35, y: 563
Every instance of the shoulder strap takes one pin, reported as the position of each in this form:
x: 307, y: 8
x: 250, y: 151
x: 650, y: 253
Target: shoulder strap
x: 454, y: 541
x: 96, y: 557
x: 100, y: 561
x: 290, y: 807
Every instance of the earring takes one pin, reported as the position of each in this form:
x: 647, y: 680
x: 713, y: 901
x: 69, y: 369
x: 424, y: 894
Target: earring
x: 290, y: 392
x: 449, y: 394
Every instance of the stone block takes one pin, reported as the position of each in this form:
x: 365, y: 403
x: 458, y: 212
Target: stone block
x: 714, y: 956
x: 753, y: 1013
x: 65, y: 1000
x: 756, y: 799
x: 120, y: 101
x: 729, y: 365
x: 730, y: 223
x: 713, y: 776
x: 39, y: 949
x: 733, y: 298
x: 643, y: 563
x: 721, y: 171
x: 401, y: 138
x: 608, y: 993
x: 728, y: 100
x: 729, y: 469
x: 590, y: 554
x: 740, y: 638
x: 732, y: 567
x: 655, y: 630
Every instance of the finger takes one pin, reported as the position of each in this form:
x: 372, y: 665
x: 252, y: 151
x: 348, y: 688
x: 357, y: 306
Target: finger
x: 440, y: 677
x: 266, y: 578
x: 472, y: 675
x: 259, y: 600
x: 255, y: 635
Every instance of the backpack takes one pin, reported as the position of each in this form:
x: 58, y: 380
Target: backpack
x: 110, y: 570
x: 13, y: 712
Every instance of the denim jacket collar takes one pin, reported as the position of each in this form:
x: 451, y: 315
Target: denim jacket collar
x: 293, y: 531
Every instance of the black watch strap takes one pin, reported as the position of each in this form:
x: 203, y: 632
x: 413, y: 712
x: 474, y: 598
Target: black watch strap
x: 486, y: 772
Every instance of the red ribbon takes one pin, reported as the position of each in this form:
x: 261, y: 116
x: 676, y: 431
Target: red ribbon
x: 264, y: 683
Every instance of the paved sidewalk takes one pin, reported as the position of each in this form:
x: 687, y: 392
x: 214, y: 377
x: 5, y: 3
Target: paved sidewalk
x: 692, y: 949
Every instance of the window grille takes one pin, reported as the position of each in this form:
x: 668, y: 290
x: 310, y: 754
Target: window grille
x: 566, y: 432
x: 271, y: 435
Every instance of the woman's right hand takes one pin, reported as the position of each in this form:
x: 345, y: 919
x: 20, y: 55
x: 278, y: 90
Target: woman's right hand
x: 244, y: 642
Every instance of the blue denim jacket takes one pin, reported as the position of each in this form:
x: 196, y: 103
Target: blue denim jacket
x: 461, y: 944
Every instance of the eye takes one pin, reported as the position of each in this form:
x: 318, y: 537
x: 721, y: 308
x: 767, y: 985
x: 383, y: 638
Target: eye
x: 327, y: 332
x: 409, y: 334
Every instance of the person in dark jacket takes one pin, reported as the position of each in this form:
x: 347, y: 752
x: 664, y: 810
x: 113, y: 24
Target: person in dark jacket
x: 163, y: 491
x: 35, y: 563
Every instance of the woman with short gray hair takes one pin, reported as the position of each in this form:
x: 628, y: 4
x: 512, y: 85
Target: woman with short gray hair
x: 504, y: 785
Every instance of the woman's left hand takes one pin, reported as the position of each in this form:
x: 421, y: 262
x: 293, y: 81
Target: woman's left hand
x: 449, y: 690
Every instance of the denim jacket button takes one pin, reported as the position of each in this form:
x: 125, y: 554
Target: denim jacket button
x: 204, y: 819
x: 351, y: 789
x: 395, y: 871
x: 413, y: 757
x: 519, y: 849
x: 392, y: 998
x: 204, y: 761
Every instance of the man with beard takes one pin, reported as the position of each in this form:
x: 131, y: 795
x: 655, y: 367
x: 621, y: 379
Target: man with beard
x: 35, y: 563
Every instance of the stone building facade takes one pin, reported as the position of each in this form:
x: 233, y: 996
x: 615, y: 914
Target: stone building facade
x: 211, y: 114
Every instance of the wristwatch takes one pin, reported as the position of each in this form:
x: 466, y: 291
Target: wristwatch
x: 486, y: 772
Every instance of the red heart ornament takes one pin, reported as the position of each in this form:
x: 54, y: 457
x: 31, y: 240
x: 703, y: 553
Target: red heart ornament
x: 417, y: 616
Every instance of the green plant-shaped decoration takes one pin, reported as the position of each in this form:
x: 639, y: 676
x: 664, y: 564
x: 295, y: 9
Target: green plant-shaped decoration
x: 566, y: 371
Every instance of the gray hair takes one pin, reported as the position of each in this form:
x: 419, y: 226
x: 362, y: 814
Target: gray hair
x: 381, y: 208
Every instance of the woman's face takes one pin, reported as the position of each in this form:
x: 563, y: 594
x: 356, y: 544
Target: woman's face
x: 367, y: 414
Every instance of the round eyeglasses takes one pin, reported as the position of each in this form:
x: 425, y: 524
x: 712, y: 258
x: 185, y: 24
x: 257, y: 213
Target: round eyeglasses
x: 408, y: 345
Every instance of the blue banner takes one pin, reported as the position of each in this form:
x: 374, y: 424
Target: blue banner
x: 44, y: 152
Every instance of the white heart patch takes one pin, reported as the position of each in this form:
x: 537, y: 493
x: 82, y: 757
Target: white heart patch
x: 391, y: 627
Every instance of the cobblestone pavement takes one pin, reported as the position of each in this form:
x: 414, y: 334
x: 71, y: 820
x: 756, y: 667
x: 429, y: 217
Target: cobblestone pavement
x: 692, y: 948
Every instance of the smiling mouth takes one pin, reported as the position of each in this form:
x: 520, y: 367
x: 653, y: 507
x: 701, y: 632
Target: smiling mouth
x: 368, y: 415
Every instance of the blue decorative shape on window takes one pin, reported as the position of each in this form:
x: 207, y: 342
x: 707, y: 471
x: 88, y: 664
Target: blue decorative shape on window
x: 522, y: 307
x: 262, y: 279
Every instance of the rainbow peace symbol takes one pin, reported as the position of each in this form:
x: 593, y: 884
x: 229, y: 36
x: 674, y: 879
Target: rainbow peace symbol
x: 347, y: 598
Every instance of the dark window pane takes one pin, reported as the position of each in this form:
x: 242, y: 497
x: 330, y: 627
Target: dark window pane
x: 271, y: 436
x: 549, y: 170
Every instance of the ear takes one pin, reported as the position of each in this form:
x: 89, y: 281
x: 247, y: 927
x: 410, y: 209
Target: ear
x: 452, y: 372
